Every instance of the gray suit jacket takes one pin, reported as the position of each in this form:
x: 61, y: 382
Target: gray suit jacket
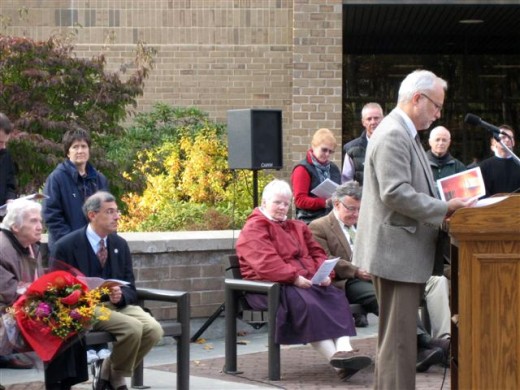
x: 330, y: 236
x: 400, y: 215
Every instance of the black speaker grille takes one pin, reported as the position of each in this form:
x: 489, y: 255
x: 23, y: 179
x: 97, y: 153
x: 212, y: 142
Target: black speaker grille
x: 255, y: 139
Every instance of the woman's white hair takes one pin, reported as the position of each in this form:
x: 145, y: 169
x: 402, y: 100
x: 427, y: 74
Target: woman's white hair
x: 16, y: 211
x: 419, y: 81
x: 276, y: 187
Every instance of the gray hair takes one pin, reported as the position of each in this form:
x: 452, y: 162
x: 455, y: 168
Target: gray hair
x: 419, y: 81
x: 370, y: 105
x: 276, y: 187
x: 94, y: 201
x: 438, y: 129
x: 17, y: 210
x: 350, y: 188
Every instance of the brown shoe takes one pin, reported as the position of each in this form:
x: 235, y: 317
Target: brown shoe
x: 350, y: 360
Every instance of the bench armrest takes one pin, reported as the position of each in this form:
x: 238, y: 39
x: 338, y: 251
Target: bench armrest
x: 251, y: 285
x: 154, y: 294
x: 182, y: 299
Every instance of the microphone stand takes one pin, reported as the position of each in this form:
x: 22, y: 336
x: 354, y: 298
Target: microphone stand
x: 511, y: 153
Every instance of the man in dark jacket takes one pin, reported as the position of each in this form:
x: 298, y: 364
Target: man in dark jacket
x: 441, y: 161
x: 67, y: 187
x: 500, y: 172
x: 355, y: 150
x: 98, y: 251
x: 7, y: 169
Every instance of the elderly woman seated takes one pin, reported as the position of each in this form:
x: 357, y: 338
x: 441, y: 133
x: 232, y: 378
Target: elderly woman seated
x: 273, y: 248
x: 20, y: 264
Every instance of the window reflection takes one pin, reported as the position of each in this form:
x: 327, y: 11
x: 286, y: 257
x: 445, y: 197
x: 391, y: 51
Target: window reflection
x: 487, y: 86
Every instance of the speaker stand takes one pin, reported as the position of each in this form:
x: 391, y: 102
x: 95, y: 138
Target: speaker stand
x: 222, y: 307
x: 208, y: 322
x: 255, y: 188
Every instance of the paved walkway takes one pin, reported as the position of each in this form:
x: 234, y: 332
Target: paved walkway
x: 301, y: 367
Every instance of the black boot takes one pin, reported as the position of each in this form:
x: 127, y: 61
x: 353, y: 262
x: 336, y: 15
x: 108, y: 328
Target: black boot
x: 360, y: 320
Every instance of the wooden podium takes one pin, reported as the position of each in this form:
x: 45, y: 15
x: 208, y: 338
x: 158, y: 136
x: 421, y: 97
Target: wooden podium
x: 485, y: 296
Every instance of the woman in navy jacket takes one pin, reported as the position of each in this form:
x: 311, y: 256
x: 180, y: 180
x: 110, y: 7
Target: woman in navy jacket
x: 67, y: 187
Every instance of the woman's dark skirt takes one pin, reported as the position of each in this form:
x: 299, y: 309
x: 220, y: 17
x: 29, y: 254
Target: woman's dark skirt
x: 308, y: 314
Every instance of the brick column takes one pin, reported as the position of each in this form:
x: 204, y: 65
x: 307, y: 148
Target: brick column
x: 317, y: 74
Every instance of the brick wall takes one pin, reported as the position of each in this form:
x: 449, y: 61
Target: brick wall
x: 214, y: 54
x: 186, y: 261
x: 317, y: 74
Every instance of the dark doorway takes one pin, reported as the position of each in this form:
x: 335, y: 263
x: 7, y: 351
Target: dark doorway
x: 383, y: 43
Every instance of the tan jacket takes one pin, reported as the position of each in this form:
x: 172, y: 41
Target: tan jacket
x: 330, y: 236
x: 400, y: 215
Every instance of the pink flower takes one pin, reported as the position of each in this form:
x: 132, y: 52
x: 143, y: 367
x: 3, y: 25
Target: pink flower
x: 75, y: 315
x: 43, y: 310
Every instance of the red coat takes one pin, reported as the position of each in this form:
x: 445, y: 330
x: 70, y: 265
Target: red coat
x: 277, y: 251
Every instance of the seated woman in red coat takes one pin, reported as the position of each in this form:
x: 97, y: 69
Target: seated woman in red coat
x: 273, y: 248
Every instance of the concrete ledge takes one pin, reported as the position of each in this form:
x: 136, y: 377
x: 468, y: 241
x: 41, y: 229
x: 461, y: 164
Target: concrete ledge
x: 153, y: 242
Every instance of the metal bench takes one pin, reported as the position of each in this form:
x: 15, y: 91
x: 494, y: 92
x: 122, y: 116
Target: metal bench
x: 179, y: 329
x: 236, y: 306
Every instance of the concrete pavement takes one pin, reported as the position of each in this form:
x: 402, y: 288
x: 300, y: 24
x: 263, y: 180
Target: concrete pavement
x: 301, y: 367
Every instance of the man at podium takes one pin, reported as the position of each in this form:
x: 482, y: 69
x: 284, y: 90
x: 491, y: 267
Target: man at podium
x: 399, y: 224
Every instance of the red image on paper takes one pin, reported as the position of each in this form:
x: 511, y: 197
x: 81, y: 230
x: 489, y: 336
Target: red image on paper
x: 467, y: 184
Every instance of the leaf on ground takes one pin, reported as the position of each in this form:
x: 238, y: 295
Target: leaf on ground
x: 201, y: 341
x: 243, y: 342
x: 208, y: 347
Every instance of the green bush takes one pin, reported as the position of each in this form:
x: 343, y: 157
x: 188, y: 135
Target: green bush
x: 188, y: 183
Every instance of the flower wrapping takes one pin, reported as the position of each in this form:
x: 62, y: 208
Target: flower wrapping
x: 54, y: 308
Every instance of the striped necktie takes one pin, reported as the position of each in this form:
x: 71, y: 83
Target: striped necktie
x: 102, y: 253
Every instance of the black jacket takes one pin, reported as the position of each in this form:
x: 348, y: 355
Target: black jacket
x: 7, y: 177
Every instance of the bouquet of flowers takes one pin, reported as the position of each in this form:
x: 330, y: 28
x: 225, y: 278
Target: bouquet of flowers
x: 54, y: 308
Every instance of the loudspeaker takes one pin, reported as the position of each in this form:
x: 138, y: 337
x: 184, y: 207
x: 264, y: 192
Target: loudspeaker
x: 255, y: 139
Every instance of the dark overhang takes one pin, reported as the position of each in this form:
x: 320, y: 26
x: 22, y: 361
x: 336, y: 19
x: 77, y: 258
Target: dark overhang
x: 372, y: 27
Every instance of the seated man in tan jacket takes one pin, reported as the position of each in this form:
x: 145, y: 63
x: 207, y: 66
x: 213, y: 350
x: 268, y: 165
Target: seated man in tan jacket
x: 335, y: 232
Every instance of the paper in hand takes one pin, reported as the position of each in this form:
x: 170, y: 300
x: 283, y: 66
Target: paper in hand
x: 325, y: 189
x: 93, y: 282
x: 324, y: 271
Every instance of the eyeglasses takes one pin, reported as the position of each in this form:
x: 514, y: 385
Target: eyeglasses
x: 326, y: 150
x: 437, y: 106
x: 352, y: 209
x: 111, y: 211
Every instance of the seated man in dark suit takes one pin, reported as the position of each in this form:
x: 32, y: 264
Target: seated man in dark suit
x: 97, y: 250
x: 335, y: 232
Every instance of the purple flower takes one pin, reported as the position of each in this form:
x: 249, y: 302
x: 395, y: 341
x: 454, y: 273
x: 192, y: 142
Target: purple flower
x: 43, y: 310
x: 75, y: 315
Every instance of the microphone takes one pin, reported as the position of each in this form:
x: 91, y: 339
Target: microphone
x: 474, y: 120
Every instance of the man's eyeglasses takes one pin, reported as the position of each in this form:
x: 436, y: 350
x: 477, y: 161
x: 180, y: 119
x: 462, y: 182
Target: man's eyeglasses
x: 326, y: 150
x: 111, y: 211
x: 437, y: 106
x: 352, y: 209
